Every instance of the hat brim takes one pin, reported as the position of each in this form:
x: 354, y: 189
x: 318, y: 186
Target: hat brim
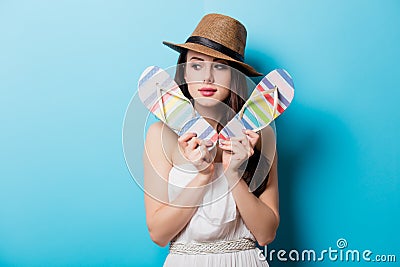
x: 245, y: 68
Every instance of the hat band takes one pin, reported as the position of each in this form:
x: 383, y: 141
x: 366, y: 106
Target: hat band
x: 216, y: 46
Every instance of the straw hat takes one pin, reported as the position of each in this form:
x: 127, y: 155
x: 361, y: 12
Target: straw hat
x: 219, y: 36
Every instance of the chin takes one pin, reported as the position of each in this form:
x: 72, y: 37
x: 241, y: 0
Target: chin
x: 208, y: 102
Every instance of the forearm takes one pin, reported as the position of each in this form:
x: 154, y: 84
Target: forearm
x: 166, y: 222
x: 259, y: 218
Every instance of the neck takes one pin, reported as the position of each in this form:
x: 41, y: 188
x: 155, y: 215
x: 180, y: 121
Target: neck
x: 215, y: 114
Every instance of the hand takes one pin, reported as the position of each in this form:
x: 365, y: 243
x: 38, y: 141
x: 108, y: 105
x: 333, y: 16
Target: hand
x: 196, y: 151
x: 236, y: 151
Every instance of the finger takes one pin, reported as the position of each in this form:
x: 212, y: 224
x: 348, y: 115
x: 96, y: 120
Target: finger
x: 234, y: 142
x: 227, y: 151
x: 186, y: 137
x: 246, y: 149
x: 251, y: 133
x: 245, y: 140
x: 238, y: 142
x: 242, y: 150
x: 199, y: 154
x: 194, y: 143
x: 252, y: 137
x: 207, y: 157
x: 228, y: 142
x: 209, y: 153
x: 251, y: 152
x: 205, y: 147
x: 225, y: 145
x: 232, y: 146
x: 208, y: 143
x: 238, y: 138
x: 194, y: 155
x: 225, y: 148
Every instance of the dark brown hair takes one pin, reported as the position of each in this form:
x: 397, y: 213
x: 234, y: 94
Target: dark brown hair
x: 238, y: 92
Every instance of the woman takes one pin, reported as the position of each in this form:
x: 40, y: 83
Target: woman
x: 197, y: 195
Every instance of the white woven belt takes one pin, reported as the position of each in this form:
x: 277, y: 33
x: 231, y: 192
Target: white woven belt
x: 221, y: 246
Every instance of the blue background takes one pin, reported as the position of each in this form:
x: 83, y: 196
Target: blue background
x: 68, y: 70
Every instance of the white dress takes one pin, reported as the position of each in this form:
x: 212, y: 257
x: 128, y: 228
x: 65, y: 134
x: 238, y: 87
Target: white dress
x: 219, y: 220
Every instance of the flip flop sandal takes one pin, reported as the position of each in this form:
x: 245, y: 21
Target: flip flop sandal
x: 163, y: 97
x: 269, y: 99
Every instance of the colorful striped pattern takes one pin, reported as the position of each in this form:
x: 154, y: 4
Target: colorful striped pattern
x: 201, y: 127
x: 163, y: 97
x: 259, y: 109
x: 234, y: 128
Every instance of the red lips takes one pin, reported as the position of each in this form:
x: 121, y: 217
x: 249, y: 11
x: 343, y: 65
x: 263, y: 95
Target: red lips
x: 207, y: 91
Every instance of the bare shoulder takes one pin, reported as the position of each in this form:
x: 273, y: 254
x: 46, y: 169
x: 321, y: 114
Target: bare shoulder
x: 161, y: 138
x: 159, y: 129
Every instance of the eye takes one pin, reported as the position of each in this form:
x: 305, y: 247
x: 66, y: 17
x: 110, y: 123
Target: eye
x: 195, y: 66
x: 220, y: 66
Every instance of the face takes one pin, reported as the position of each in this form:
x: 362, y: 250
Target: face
x: 208, y: 78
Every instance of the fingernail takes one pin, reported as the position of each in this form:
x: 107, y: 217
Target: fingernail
x: 209, y: 143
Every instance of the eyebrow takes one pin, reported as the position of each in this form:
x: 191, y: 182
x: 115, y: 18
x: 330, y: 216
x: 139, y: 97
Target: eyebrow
x: 200, y: 59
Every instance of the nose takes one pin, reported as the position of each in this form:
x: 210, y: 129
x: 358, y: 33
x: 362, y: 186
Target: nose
x: 208, y: 74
